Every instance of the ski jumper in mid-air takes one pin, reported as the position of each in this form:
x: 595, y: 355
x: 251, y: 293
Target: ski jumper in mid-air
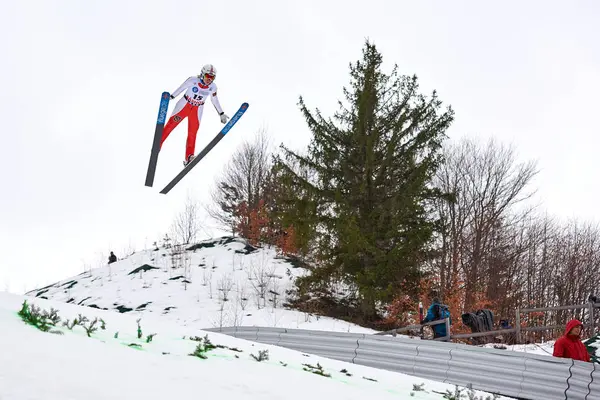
x: 191, y: 105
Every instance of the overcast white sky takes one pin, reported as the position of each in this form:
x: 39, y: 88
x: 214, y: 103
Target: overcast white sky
x: 81, y: 83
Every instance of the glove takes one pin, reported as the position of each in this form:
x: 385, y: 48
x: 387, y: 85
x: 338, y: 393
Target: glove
x: 224, y: 118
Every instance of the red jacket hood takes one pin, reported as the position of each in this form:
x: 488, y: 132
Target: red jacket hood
x: 572, y: 324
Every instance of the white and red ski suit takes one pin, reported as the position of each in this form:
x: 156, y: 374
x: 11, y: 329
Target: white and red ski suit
x: 191, y: 105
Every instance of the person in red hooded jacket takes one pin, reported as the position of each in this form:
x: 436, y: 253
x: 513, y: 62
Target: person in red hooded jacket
x: 570, y: 345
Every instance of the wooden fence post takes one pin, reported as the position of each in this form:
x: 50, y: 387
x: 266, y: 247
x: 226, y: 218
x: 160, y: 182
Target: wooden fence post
x: 518, y: 326
x: 592, y: 320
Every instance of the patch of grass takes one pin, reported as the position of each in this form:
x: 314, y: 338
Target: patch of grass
x: 81, y: 320
x: 418, y: 388
x: 46, y: 320
x: 91, y: 327
x: 263, y: 355
x: 41, y: 319
x: 208, y: 345
x: 70, y: 325
x: 203, y: 347
x: 459, y: 394
x: 318, y: 370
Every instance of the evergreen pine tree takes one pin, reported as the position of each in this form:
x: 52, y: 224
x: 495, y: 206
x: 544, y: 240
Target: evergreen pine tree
x: 292, y: 205
x: 370, y: 169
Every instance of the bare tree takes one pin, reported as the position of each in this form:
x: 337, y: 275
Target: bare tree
x: 225, y: 285
x: 500, y: 248
x: 206, y: 276
x: 260, y: 275
x: 187, y: 224
x: 128, y: 250
x: 486, y: 185
x: 243, y: 179
x: 187, y: 269
x: 559, y: 267
x: 242, y: 295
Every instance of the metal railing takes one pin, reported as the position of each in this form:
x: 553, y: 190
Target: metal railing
x: 517, y: 330
x: 514, y: 374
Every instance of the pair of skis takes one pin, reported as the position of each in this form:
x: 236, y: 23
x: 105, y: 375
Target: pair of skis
x: 160, y: 123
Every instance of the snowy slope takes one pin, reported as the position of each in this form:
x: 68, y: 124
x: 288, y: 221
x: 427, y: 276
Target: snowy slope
x: 112, y: 363
x: 221, y: 282
x: 542, y: 349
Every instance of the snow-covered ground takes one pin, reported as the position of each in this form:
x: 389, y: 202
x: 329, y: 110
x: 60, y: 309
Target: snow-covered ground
x: 118, y: 363
x: 542, y: 349
x: 220, y: 282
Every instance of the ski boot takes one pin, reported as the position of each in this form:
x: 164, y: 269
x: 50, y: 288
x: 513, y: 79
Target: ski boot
x: 189, y: 160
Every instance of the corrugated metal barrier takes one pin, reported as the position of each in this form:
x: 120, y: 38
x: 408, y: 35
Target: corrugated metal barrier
x: 508, y: 373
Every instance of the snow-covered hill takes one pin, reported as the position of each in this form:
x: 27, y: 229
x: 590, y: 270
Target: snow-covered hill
x: 153, y: 358
x: 215, y: 283
x: 177, y: 292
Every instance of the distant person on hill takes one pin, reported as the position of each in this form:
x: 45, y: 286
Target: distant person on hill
x: 510, y: 338
x: 570, y: 345
x: 112, y: 258
x: 437, y: 311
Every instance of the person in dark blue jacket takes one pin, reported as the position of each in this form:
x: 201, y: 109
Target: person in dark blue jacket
x: 437, y: 311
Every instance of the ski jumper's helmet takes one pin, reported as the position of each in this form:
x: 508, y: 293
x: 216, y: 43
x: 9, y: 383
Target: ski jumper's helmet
x: 208, y: 71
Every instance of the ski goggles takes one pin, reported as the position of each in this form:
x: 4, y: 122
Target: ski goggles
x: 209, y: 76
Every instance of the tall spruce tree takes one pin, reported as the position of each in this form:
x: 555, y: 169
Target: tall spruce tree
x: 291, y: 206
x: 372, y: 166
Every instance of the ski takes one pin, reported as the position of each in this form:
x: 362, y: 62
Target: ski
x: 160, y: 124
x: 208, y: 148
